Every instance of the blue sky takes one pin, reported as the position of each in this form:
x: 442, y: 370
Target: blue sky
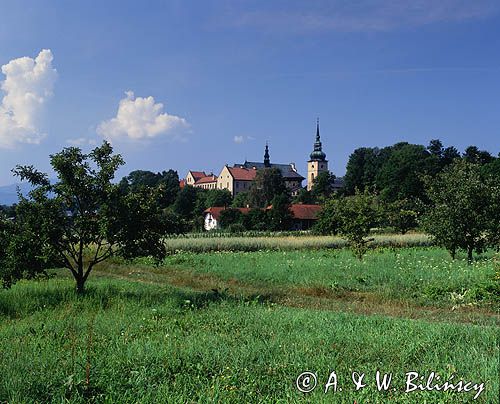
x: 231, y: 75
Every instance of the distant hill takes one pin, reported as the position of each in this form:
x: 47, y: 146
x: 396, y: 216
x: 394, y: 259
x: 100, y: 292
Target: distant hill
x: 8, y: 193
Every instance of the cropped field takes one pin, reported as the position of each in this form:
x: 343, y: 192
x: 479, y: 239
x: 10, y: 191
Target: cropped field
x: 207, y: 242
x: 241, y: 326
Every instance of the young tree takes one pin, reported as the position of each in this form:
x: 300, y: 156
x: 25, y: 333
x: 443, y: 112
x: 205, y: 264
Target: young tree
x: 356, y: 216
x: 240, y: 200
x: 458, y: 217
x: 403, y: 215
x: 83, y: 218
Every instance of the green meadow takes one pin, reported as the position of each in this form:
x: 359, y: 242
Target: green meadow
x: 240, y: 326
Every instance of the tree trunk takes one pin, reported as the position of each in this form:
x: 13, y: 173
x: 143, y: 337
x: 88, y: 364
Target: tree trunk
x: 80, y: 285
x: 470, y: 249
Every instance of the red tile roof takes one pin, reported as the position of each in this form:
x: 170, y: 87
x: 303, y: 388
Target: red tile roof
x: 302, y: 211
x: 215, y: 211
x: 198, y: 174
x: 305, y: 212
x: 242, y: 174
x: 207, y: 179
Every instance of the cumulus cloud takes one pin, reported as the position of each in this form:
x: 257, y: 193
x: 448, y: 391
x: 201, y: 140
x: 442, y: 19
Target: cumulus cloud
x: 140, y: 118
x: 239, y: 139
x: 28, y: 84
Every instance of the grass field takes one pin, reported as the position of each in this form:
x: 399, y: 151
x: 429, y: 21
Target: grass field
x: 241, y: 326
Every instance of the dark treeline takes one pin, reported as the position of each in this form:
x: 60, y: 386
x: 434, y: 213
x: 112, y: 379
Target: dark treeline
x: 396, y: 172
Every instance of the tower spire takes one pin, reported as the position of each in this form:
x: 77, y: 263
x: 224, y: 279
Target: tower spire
x: 317, y: 130
x: 267, y: 160
x: 318, y: 153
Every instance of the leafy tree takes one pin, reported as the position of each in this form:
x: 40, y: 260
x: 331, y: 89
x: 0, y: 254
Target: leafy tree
x: 279, y: 215
x: 256, y: 219
x: 327, y: 221
x: 240, y: 200
x: 450, y: 154
x: 185, y: 203
x: 304, y: 196
x: 473, y: 155
x: 267, y: 184
x: 401, y: 175
x: 83, y: 218
x: 356, y: 215
x: 322, y: 188
x: 230, y: 217
x: 403, y: 214
x: 166, y: 181
x: 218, y: 197
x: 458, y: 217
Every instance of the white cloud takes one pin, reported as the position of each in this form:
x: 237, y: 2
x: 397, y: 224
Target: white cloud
x: 81, y: 141
x: 239, y: 139
x: 140, y: 118
x: 28, y: 84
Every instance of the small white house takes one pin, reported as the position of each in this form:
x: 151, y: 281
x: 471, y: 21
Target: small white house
x: 212, y: 217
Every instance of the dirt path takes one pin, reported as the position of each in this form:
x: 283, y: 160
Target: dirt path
x: 316, y: 298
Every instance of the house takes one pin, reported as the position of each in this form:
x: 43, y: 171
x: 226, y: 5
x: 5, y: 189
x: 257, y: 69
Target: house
x: 304, y: 216
x: 212, y: 217
x: 208, y: 182
x: 193, y: 176
x: 236, y: 179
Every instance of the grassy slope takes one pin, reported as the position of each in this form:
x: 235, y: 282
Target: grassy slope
x: 150, y: 343
x: 146, y: 340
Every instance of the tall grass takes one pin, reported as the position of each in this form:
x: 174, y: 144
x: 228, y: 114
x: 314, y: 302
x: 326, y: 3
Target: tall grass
x: 243, y: 243
x: 128, y: 342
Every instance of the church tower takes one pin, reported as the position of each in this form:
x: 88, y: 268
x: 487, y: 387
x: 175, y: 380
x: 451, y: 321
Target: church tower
x: 317, y: 162
x: 267, y: 160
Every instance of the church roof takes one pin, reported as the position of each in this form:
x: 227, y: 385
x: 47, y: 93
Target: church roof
x: 287, y: 170
x: 318, y: 154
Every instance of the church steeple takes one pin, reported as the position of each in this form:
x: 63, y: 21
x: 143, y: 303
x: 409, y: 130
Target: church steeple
x: 318, y: 154
x: 267, y: 160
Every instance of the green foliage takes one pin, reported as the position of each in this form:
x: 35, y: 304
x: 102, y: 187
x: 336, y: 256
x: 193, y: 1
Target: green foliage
x: 230, y: 216
x: 185, y: 204
x: 166, y: 181
x: 256, y: 219
x: 322, y: 188
x: 461, y: 204
x: 304, y: 196
x: 82, y: 219
x: 267, y: 184
x: 356, y: 215
x: 402, y: 215
x: 218, y: 197
x: 327, y: 221
x: 400, y: 177
x: 240, y: 200
x: 279, y: 216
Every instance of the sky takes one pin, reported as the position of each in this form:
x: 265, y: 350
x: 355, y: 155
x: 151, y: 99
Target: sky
x: 199, y: 84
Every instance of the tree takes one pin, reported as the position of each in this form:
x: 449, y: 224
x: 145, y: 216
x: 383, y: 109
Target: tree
x: 304, y: 196
x: 473, y: 155
x: 403, y: 214
x: 460, y: 201
x: 166, y: 181
x: 185, y: 203
x: 327, y: 222
x: 356, y: 215
x: 256, y: 219
x: 322, y: 188
x: 230, y: 217
x: 267, y: 184
x: 240, y: 200
x: 218, y: 197
x: 83, y: 218
x: 279, y: 215
x: 400, y: 177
